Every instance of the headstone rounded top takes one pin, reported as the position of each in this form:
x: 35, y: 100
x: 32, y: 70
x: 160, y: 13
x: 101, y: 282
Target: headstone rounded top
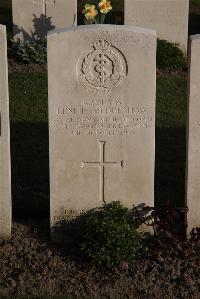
x: 104, y: 27
x: 195, y: 37
x: 2, y: 27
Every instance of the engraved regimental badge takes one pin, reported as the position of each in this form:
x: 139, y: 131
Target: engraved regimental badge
x: 102, y: 69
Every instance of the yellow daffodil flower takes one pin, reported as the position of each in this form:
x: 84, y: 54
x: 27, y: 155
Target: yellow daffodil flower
x: 90, y: 12
x: 105, y: 6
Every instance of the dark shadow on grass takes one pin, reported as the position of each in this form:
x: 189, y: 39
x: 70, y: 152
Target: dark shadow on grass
x: 170, y: 166
x: 30, y: 169
x: 194, y: 23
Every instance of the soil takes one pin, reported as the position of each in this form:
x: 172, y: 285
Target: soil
x: 172, y: 73
x: 15, y: 66
x: 32, y: 266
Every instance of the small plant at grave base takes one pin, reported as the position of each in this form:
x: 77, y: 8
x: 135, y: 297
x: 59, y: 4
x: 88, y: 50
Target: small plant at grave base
x: 169, y: 56
x: 30, y: 51
x: 95, y: 13
x: 110, y: 236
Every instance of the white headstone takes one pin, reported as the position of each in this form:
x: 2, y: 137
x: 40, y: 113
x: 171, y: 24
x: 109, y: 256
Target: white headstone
x: 34, y: 18
x: 5, y: 176
x: 193, y: 136
x: 169, y: 18
x: 101, y: 118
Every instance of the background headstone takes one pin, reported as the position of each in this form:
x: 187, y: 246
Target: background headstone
x: 193, y: 136
x: 169, y: 18
x: 101, y: 118
x: 5, y: 176
x: 34, y: 18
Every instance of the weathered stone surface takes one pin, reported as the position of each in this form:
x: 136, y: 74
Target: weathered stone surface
x: 34, y: 18
x: 101, y: 118
x: 5, y: 176
x: 193, y: 136
x: 169, y: 18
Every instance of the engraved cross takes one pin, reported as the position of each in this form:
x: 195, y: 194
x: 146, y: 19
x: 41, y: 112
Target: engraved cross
x: 102, y: 164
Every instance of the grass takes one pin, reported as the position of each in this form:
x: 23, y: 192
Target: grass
x: 171, y: 102
x: 29, y: 97
x: 29, y: 142
x: 195, y: 2
x: 170, y: 139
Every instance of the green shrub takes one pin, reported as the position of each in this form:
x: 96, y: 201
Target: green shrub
x: 109, y: 236
x: 169, y: 56
x: 30, y: 51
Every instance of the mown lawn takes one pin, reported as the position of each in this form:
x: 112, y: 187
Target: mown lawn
x: 29, y: 141
x: 195, y: 2
x: 170, y: 139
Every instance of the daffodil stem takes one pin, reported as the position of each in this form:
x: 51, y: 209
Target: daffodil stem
x: 103, y: 18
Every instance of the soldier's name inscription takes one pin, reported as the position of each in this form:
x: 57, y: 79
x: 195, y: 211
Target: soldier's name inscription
x: 102, y: 117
